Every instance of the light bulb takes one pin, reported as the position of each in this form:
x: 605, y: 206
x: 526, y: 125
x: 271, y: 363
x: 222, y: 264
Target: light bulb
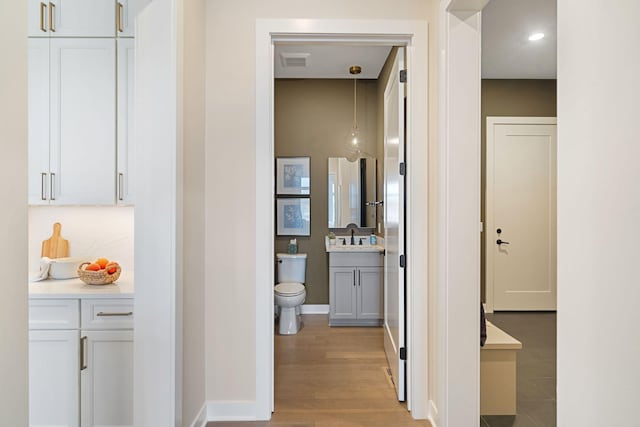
x: 536, y: 36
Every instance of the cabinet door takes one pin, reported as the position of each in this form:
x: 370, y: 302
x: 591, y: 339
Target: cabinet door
x: 126, y: 68
x: 82, y: 18
x: 38, y: 88
x: 106, y: 379
x: 53, y: 378
x: 369, y: 293
x: 127, y: 15
x: 342, y: 293
x: 82, y: 139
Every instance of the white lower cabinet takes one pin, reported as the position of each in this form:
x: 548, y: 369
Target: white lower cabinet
x: 54, y: 389
x: 81, y: 374
x: 355, y: 289
x: 106, y: 379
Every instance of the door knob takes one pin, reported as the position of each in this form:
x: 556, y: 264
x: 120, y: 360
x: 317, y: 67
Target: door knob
x: 501, y: 242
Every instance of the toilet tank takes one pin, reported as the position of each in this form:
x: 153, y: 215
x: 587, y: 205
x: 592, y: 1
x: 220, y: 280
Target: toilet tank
x: 291, y: 267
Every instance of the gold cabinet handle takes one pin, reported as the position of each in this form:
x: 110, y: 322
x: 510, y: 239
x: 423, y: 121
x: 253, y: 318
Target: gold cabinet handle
x: 43, y: 11
x: 43, y: 186
x: 52, y: 193
x: 83, y: 353
x: 120, y: 188
x: 103, y: 314
x: 119, y: 8
x: 52, y: 20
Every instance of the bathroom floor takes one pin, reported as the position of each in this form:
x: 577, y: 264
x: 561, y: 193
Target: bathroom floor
x: 535, y: 369
x: 333, y: 377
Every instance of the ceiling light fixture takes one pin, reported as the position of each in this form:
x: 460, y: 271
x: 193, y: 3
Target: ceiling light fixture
x: 536, y: 36
x: 354, y: 140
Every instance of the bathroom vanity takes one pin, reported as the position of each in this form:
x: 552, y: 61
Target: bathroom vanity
x: 355, y: 285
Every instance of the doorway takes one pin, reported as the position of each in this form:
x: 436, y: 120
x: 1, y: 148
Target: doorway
x: 394, y: 33
x: 313, y: 112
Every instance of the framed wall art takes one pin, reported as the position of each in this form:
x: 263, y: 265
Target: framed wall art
x: 293, y: 176
x: 293, y: 217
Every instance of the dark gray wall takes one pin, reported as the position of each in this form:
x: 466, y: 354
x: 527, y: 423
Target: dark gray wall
x: 312, y: 118
x: 532, y: 98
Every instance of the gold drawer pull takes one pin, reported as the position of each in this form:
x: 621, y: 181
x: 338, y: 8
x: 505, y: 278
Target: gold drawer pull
x: 102, y: 313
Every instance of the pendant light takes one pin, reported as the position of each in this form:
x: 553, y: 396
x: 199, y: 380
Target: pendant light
x: 354, y: 140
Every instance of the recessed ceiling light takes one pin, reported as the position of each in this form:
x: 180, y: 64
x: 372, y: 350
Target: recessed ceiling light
x: 536, y: 36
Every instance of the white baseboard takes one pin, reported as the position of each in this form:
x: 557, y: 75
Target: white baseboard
x: 201, y: 419
x: 314, y: 309
x: 433, y: 414
x: 232, y: 411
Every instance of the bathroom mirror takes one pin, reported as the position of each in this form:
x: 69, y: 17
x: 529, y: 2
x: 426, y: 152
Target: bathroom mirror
x: 351, y: 186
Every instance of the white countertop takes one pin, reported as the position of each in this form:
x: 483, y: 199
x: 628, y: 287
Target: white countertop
x: 365, y: 247
x: 76, y: 288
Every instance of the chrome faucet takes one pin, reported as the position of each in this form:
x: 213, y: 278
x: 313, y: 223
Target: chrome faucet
x: 353, y: 242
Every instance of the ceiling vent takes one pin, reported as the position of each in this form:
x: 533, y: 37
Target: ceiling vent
x: 294, y: 59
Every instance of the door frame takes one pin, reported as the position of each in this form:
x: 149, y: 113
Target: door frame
x: 489, y: 173
x: 414, y: 35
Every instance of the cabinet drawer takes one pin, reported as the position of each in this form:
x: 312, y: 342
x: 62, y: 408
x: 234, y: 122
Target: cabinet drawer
x: 53, y: 314
x: 107, y: 314
x: 351, y: 259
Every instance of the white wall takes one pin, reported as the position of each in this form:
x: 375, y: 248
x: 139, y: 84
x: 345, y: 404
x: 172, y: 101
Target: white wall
x: 598, y: 206
x: 230, y: 176
x: 157, y: 335
x: 92, y: 232
x: 13, y: 215
x: 458, y: 247
x: 193, y: 53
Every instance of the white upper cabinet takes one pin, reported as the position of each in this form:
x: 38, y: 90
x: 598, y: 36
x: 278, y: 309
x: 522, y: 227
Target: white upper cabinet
x: 125, y: 18
x: 72, y: 109
x: 72, y: 18
x: 38, y: 78
x: 82, y: 121
x: 125, y: 157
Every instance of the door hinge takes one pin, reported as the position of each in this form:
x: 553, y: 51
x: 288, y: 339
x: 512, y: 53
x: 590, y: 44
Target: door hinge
x: 402, y: 263
x: 403, y: 168
x: 403, y: 353
x: 403, y: 76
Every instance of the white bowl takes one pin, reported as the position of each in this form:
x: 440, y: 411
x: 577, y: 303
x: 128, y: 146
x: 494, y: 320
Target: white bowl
x: 64, y: 268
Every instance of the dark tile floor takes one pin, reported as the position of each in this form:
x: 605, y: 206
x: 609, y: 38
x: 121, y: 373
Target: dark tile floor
x: 535, y: 369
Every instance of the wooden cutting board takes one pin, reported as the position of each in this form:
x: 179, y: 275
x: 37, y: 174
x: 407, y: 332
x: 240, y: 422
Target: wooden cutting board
x: 55, y: 246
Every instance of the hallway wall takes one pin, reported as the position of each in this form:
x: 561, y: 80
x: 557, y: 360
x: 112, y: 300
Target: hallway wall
x: 598, y: 205
x: 230, y: 173
x: 13, y: 193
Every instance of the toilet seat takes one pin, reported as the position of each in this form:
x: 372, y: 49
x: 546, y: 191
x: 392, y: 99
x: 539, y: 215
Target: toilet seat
x: 289, y: 289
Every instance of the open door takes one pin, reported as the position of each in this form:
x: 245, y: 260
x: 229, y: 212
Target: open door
x: 394, y: 278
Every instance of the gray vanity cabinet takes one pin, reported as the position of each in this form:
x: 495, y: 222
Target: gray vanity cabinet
x: 355, y: 289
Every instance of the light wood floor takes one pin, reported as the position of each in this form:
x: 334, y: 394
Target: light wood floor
x: 329, y: 377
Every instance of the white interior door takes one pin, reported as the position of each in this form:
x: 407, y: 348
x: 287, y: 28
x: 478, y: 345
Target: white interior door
x: 521, y: 213
x: 394, y: 296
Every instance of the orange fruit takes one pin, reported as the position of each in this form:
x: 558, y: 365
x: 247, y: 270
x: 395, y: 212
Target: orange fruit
x: 102, y: 262
x: 112, y: 267
x: 93, y: 267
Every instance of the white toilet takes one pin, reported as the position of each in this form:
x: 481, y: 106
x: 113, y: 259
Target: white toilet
x: 290, y: 292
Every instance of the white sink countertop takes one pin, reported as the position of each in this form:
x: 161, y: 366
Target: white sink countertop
x: 365, y: 247
x: 76, y: 288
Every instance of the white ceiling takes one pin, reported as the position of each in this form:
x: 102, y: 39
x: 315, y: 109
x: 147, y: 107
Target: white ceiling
x: 330, y: 61
x: 507, y: 52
